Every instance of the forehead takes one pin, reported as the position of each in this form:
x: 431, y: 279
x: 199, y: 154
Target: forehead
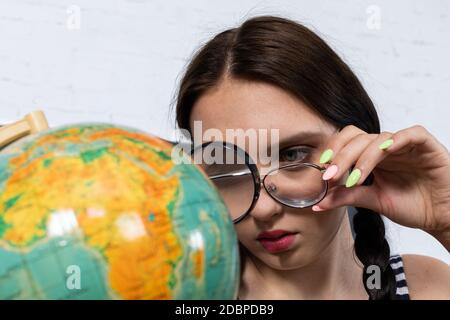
x: 240, y: 104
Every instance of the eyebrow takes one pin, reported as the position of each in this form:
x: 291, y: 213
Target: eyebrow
x: 305, y: 137
x: 302, y: 137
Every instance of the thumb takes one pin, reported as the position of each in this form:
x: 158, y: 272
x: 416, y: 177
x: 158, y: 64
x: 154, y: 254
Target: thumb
x: 359, y: 196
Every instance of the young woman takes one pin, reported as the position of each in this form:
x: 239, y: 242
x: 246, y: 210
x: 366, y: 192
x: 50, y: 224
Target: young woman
x: 273, y: 73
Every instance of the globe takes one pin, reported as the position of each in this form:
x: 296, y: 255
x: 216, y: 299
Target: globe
x: 99, y: 211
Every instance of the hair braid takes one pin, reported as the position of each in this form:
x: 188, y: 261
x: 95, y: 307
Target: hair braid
x: 372, y: 248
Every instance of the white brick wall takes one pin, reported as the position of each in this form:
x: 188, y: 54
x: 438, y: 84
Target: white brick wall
x: 119, y: 61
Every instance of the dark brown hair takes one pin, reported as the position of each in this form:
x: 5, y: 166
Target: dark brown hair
x: 284, y: 53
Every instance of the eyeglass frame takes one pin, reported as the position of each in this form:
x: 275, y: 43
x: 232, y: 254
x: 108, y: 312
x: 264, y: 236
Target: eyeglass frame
x: 257, y: 181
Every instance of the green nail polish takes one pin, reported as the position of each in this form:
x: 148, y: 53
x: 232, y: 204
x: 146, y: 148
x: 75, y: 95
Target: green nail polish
x: 326, y: 156
x: 386, y: 144
x: 353, y: 178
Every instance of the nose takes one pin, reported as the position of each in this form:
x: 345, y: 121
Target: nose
x: 266, y: 207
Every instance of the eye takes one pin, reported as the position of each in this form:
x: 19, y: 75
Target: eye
x: 295, y: 154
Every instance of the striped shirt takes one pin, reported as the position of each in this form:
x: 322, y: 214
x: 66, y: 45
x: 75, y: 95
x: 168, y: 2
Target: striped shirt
x: 402, y: 292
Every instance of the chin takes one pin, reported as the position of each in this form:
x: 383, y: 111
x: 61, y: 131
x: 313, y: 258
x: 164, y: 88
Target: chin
x: 291, y: 259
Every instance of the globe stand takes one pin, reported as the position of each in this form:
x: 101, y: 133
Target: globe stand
x: 32, y: 123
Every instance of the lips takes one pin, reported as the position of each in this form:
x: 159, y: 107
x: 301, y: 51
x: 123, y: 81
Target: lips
x: 276, y: 240
x: 273, y: 234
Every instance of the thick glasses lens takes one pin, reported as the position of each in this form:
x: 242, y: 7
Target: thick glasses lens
x: 226, y: 166
x: 298, y: 185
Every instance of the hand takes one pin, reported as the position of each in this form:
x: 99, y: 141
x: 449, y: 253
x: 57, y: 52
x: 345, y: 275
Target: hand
x: 411, y: 172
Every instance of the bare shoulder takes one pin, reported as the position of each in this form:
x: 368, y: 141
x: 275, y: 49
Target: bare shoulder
x: 427, y: 277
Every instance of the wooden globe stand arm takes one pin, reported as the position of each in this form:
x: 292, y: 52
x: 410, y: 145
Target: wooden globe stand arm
x: 32, y: 123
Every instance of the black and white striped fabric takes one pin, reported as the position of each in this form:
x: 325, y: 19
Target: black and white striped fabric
x: 396, y: 263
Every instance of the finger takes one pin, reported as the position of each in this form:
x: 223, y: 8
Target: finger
x: 368, y: 160
x: 347, y: 156
x: 415, y: 136
x: 360, y: 196
x: 338, y: 141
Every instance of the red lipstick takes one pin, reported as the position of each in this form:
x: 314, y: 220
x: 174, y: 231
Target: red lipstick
x: 276, y: 240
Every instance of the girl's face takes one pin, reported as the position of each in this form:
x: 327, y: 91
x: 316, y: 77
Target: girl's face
x: 239, y: 104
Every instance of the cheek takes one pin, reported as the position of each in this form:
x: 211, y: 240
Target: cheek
x: 323, y: 227
x: 245, y: 232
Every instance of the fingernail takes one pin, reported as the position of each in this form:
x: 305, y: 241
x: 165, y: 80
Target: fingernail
x: 326, y: 156
x: 330, y: 172
x: 386, y: 144
x: 353, y: 178
x: 317, y: 208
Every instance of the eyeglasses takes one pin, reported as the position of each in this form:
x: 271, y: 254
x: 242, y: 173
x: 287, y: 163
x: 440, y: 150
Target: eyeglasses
x: 237, y: 178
